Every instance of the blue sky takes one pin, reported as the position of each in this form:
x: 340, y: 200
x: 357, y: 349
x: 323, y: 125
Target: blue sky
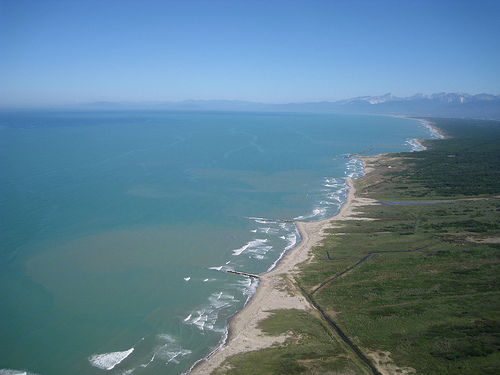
x: 58, y: 52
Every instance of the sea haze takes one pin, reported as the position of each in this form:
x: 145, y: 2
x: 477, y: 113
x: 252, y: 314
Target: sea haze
x: 116, y: 226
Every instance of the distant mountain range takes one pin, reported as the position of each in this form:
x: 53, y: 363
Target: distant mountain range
x: 438, y: 105
x: 442, y: 104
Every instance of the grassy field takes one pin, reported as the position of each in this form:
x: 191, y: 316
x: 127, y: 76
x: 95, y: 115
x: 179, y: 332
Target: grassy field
x: 417, y: 285
x: 310, y: 348
x: 430, y: 298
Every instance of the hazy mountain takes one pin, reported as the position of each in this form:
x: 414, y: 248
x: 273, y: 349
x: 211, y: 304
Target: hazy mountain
x: 185, y: 105
x: 440, y: 104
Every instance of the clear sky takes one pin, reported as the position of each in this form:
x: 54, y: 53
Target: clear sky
x: 57, y: 52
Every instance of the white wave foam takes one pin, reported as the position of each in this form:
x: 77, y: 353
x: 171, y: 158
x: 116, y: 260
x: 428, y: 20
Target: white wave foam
x: 215, y: 268
x: 262, y: 220
x: 166, y: 337
x: 269, y: 230
x: 334, y: 196
x: 108, y: 361
x: 245, y: 283
x: 434, y: 133
x: 332, y: 182
x: 329, y: 198
x: 7, y: 371
x: 187, y: 278
x: 328, y: 203
x: 250, y: 245
x: 292, y: 240
x: 250, y: 287
x: 168, y: 350
x: 200, y: 320
x: 241, y: 249
x: 415, y: 145
x: 171, y: 351
x: 355, y: 168
x: 316, y: 212
x: 173, y: 355
x: 206, y: 317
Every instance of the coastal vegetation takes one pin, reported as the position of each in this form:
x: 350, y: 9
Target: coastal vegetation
x: 403, y: 288
x: 464, y: 164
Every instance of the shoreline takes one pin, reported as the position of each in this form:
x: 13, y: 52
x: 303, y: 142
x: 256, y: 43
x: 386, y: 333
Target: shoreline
x: 275, y: 288
x: 275, y: 291
x: 428, y: 124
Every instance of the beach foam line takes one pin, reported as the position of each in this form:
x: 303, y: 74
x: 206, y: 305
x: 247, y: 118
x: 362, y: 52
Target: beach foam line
x: 354, y: 168
x: 108, y: 361
x: 332, y: 192
x: 292, y: 240
x: 435, y: 133
x: 415, y: 145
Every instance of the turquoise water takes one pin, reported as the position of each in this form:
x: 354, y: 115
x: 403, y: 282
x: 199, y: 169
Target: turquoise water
x: 116, y: 226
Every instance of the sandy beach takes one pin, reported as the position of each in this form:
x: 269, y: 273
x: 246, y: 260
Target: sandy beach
x: 275, y: 291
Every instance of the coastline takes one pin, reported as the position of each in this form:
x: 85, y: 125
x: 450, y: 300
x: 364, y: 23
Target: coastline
x: 275, y: 291
x: 438, y: 132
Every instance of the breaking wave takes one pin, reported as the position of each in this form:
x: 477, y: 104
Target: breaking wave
x: 108, y: 361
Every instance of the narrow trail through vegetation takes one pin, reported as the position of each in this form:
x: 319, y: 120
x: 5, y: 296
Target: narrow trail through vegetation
x: 324, y: 283
x: 341, y: 334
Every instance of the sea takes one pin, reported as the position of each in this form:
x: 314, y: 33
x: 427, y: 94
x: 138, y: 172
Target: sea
x: 117, y: 227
